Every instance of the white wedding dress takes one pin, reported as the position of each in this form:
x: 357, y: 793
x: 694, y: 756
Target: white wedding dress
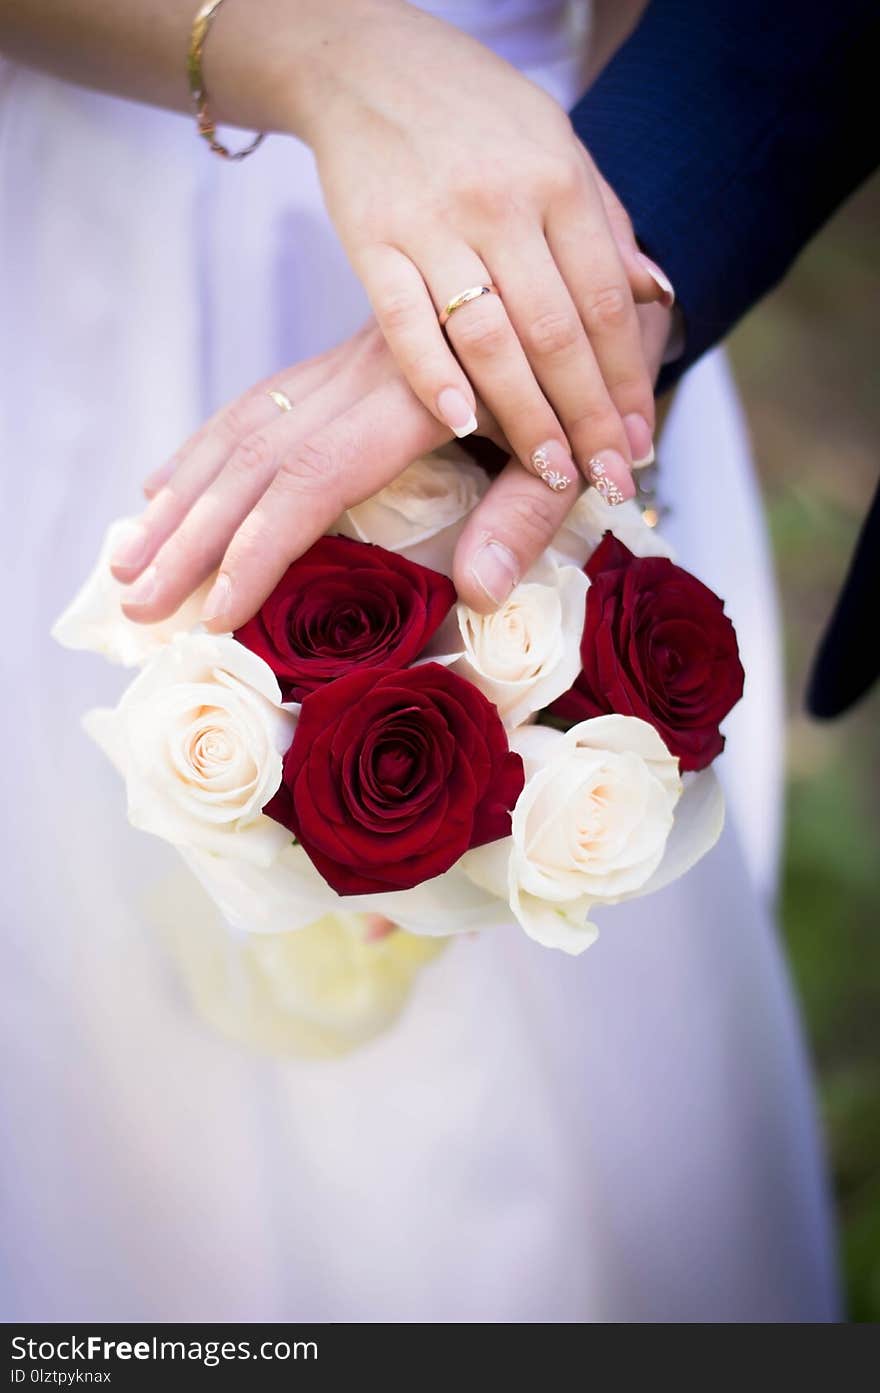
x: 628, y: 1136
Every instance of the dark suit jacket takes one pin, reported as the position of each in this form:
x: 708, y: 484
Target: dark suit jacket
x: 731, y: 130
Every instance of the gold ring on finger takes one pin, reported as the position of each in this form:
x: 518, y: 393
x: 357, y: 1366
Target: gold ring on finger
x: 473, y: 293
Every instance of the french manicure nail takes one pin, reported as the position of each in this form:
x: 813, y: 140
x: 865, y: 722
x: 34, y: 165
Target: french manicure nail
x: 218, y: 599
x: 641, y: 444
x: 143, y: 590
x: 495, y: 570
x: 553, y: 465
x: 131, y: 547
x: 660, y: 278
x: 610, y: 477
x: 455, y: 409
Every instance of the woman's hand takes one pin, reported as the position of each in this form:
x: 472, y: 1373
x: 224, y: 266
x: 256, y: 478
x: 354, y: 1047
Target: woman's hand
x: 443, y: 169
x: 257, y: 485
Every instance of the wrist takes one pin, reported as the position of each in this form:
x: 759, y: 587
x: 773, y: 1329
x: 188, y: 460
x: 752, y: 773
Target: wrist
x: 312, y: 61
x: 272, y: 65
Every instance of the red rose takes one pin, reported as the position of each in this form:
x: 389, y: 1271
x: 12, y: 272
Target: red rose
x: 657, y: 644
x: 346, y: 605
x: 393, y: 775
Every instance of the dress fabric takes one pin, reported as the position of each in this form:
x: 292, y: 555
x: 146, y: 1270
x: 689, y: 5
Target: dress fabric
x: 628, y: 1136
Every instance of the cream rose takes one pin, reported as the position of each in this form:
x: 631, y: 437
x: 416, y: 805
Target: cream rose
x: 593, y: 825
x: 527, y: 653
x: 589, y: 520
x: 94, y: 619
x: 199, y: 738
x: 422, y: 512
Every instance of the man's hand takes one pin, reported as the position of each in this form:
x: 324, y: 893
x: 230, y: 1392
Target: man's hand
x: 257, y: 485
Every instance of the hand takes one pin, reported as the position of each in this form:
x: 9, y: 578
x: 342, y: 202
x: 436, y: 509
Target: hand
x: 444, y: 168
x: 256, y: 486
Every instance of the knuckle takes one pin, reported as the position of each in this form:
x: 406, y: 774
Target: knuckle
x: 554, y: 333
x: 480, y: 190
x: 634, y: 393
x: 396, y: 311
x: 608, y: 308
x: 565, y: 177
x: 633, y: 384
x: 235, y: 423
x: 532, y: 517
x: 253, y: 456
x: 596, y: 426
x: 480, y: 334
x: 312, y: 468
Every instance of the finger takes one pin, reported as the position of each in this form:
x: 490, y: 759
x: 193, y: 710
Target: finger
x: 195, y: 546
x: 153, y: 482
x: 203, y: 456
x: 560, y: 354
x: 347, y: 460
x: 409, y: 323
x: 587, y: 258
x: 506, y: 533
x: 647, y: 281
x: 305, y: 376
x: 656, y: 324
x: 485, y: 339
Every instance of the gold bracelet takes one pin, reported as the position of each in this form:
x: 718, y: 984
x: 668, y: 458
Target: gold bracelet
x: 206, y: 124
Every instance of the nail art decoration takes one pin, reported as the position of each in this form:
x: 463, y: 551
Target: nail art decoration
x: 604, y: 486
x: 551, y: 477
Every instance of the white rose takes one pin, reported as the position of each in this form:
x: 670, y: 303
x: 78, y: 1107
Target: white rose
x: 422, y: 512
x: 199, y: 738
x: 589, y: 520
x: 593, y: 825
x: 320, y: 992
x: 527, y: 653
x: 94, y: 619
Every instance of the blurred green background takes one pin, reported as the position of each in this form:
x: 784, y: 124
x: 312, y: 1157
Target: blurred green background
x: 807, y: 365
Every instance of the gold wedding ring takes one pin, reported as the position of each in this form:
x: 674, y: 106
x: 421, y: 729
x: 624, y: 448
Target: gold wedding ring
x: 281, y: 400
x: 473, y: 293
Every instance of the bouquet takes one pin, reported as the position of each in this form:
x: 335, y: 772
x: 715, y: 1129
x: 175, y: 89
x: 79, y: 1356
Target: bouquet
x: 369, y: 755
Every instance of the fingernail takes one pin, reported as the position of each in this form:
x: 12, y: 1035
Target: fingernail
x: 641, y: 444
x: 378, y: 927
x: 553, y: 465
x: 143, y: 590
x: 610, y: 477
x: 131, y: 547
x: 218, y: 599
x: 454, y: 408
x: 660, y: 278
x: 495, y: 570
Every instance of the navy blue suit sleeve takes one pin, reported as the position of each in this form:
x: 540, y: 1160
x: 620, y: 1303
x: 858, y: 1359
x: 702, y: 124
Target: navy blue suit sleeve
x: 730, y: 130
